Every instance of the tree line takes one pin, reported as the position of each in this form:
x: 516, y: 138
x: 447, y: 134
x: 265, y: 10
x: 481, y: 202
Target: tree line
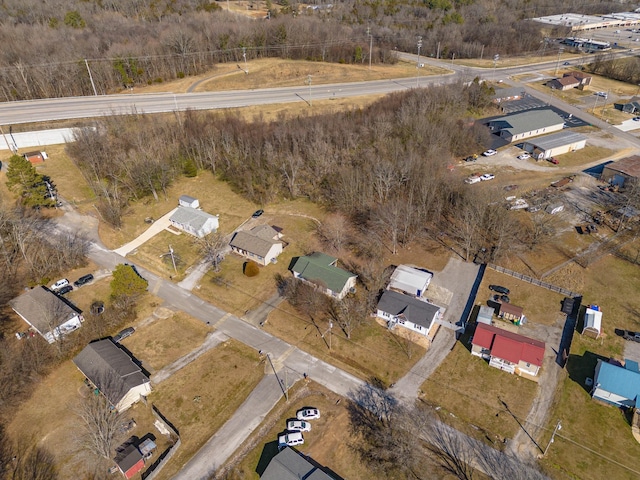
x: 127, y: 44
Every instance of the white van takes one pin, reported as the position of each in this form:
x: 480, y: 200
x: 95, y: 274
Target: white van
x: 291, y: 439
x: 59, y: 284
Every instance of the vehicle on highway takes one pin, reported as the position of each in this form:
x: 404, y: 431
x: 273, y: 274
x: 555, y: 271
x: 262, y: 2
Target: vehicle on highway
x: 308, y: 414
x: 290, y: 439
x: 298, y: 426
x: 83, y: 280
x: 629, y: 335
x: 553, y: 160
x: 64, y: 290
x: 524, y: 156
x: 602, y: 94
x: 487, y: 176
x: 257, y: 213
x: 59, y: 284
x: 127, y: 332
x: 473, y: 179
x: 500, y: 289
x: 566, y: 63
x: 489, y: 153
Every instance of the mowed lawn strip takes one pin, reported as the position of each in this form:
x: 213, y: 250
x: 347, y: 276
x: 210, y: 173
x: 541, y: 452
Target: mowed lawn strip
x: 155, y: 254
x: 165, y: 340
x: 372, y: 351
x: 468, y: 387
x: 204, y: 395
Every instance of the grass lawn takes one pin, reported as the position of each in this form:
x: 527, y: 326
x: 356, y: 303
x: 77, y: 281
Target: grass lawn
x: 371, y: 351
x: 329, y: 441
x: 153, y: 254
x: 204, y: 395
x: 466, y: 386
x: 164, y: 340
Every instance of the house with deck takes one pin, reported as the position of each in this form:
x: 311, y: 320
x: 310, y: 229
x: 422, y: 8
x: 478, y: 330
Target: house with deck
x: 321, y: 271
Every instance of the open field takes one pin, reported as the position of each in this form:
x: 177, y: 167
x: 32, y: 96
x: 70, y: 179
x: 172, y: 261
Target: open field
x: 467, y: 387
x: 204, y: 395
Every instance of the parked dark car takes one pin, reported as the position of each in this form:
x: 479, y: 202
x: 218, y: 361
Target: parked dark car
x: 257, y: 213
x: 629, y: 335
x: 64, y: 290
x: 500, y: 289
x: 83, y: 280
x: 501, y: 298
x: 127, y: 332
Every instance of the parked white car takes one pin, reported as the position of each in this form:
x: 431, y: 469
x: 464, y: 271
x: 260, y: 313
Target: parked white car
x: 59, y: 284
x: 489, y: 153
x: 298, y: 426
x: 290, y: 439
x: 524, y: 156
x: 487, y: 176
x: 602, y: 94
x: 308, y: 414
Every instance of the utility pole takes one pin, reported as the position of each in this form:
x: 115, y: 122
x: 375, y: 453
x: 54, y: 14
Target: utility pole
x: 453, y: 57
x: 438, y: 51
x: 496, y: 57
x: 370, y: 44
x: 91, y: 78
x: 560, y: 50
x: 173, y: 260
x: 244, y: 55
x: 309, y: 82
x: 481, y: 51
x: 330, y: 333
x: 553, y: 436
x: 418, y: 64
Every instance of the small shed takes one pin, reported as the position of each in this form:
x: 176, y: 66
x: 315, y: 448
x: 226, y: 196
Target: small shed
x: 554, y: 208
x: 129, y: 460
x: 512, y: 313
x: 592, y: 322
x: 567, y: 305
x: 187, y: 201
x: 485, y: 315
x: 410, y: 280
x: 147, y: 447
x: 35, y: 157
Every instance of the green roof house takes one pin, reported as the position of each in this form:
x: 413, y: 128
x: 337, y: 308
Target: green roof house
x: 320, y: 270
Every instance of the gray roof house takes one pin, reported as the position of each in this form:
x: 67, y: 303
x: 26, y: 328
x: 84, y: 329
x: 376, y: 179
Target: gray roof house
x: 320, y: 270
x: 632, y: 106
x: 519, y: 126
x: 47, y: 313
x: 408, y: 312
x: 113, y: 372
x: 195, y: 222
x: 261, y: 244
x: 291, y: 465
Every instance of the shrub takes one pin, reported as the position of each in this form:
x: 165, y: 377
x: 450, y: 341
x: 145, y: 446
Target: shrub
x: 251, y: 269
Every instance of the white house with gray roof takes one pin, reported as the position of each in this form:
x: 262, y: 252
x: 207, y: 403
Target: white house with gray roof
x: 47, y: 313
x: 193, y: 221
x: 532, y: 123
x: 261, y: 244
x: 410, y: 280
x: 408, y: 312
x: 113, y: 373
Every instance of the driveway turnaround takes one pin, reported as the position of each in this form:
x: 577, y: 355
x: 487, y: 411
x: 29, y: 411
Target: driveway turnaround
x: 155, y: 228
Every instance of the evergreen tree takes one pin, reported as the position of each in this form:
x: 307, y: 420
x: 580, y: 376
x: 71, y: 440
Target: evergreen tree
x: 29, y: 184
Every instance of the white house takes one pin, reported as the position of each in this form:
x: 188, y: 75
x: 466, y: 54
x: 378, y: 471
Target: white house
x: 193, y: 221
x: 410, y: 280
x: 261, y: 244
x: 47, y: 313
x: 320, y: 270
x: 407, y: 311
x: 113, y: 373
x: 592, y: 322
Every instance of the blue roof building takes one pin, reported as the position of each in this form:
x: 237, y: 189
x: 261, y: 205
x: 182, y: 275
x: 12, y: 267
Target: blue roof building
x: 617, y: 385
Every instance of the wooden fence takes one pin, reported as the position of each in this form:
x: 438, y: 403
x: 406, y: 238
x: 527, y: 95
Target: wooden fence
x: 534, y: 281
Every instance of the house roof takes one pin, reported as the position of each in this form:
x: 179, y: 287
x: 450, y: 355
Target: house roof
x: 593, y: 319
x: 578, y: 75
x: 416, y: 311
x: 528, y: 121
x: 192, y: 217
x: 110, y: 369
x: 511, y: 309
x: 32, y: 154
x: 410, y: 279
x: 633, y: 100
x: 128, y: 458
x: 555, y: 140
x: 188, y: 199
x: 290, y: 465
x: 43, y: 309
x: 619, y: 380
x: 506, y: 93
x: 509, y: 346
x: 629, y: 166
x: 319, y: 267
x: 485, y: 314
x: 567, y: 80
x: 258, y: 240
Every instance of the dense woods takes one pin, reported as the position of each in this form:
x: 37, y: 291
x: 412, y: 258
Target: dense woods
x: 125, y: 43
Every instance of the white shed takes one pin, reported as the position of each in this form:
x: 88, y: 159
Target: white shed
x: 592, y: 322
x: 187, y: 201
x: 410, y: 280
x: 485, y: 315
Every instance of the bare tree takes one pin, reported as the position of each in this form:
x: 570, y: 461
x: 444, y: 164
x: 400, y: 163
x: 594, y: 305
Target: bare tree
x: 212, y: 248
x: 32, y: 462
x: 333, y: 232
x: 100, y: 433
x: 349, y: 313
x: 455, y: 452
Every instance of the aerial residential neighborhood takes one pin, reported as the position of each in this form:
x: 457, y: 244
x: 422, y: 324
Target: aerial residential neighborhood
x: 255, y: 240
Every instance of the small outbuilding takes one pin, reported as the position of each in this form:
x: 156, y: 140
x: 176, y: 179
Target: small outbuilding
x: 187, y: 201
x: 410, y: 280
x: 129, y: 460
x: 194, y: 221
x: 35, y: 157
x: 555, y: 144
x: 512, y: 313
x: 485, y: 315
x: 592, y: 322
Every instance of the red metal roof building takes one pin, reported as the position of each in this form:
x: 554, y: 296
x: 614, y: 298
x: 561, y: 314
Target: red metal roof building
x: 508, y: 351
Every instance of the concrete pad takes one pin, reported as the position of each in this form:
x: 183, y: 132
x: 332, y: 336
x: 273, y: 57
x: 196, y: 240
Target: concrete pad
x: 156, y: 227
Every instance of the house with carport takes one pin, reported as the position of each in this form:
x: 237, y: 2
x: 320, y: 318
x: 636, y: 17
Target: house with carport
x: 408, y: 312
x: 617, y: 385
x: 47, y: 313
x: 262, y: 244
x: 194, y: 221
x: 508, y: 351
x: 520, y: 126
x: 410, y: 280
x: 113, y: 373
x: 321, y: 271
